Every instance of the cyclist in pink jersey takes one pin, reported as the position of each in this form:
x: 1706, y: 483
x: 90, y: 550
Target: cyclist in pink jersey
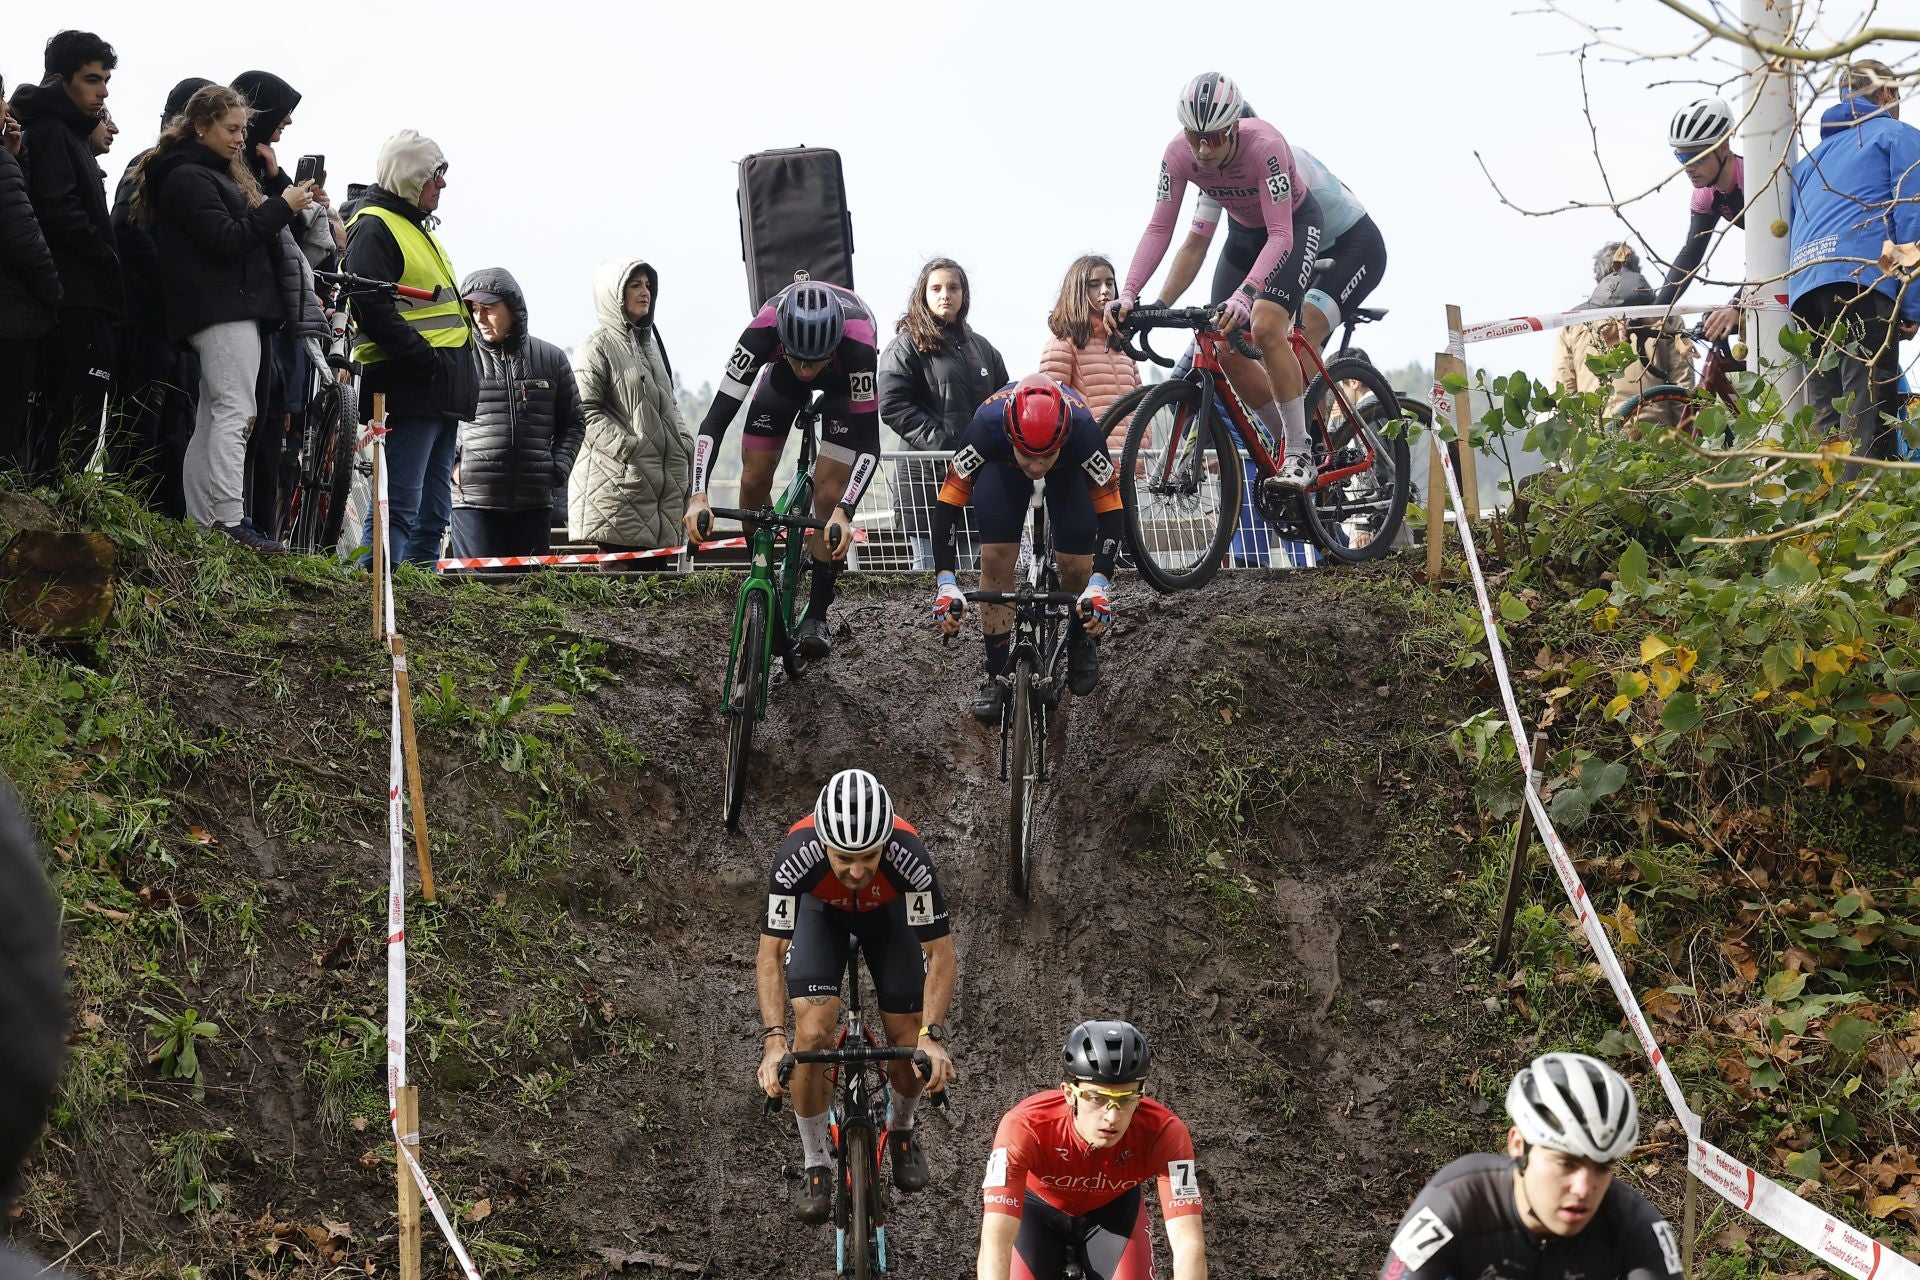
x: 1246, y: 166
x: 1701, y: 137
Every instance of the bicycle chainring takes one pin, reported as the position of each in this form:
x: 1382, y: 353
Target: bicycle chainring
x: 1281, y: 510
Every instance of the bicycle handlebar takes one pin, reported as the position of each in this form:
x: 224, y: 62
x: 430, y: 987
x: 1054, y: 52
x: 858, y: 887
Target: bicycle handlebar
x: 767, y: 515
x: 1142, y: 320
x: 1021, y: 597
x: 367, y: 284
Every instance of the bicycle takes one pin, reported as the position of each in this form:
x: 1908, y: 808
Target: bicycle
x: 1034, y: 677
x: 767, y: 612
x: 313, y: 507
x: 1715, y: 383
x: 858, y: 1125
x: 1180, y: 521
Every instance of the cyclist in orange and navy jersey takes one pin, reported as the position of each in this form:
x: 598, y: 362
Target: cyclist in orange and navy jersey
x: 1064, y: 1183
x: 852, y: 870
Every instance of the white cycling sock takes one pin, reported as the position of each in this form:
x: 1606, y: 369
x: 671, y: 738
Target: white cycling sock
x: 1294, y: 411
x: 816, y: 1139
x: 900, y: 1111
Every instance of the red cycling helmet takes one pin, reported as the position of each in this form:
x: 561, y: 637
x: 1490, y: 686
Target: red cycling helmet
x: 1038, y: 416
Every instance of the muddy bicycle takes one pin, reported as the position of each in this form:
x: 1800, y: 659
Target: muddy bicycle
x: 858, y: 1125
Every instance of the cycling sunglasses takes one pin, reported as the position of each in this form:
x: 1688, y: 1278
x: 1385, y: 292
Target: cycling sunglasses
x: 1218, y: 138
x: 1118, y: 1099
x: 1691, y: 158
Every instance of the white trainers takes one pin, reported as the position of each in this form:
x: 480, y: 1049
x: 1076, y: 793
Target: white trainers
x: 1295, y: 473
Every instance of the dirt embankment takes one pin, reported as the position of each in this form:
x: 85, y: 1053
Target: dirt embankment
x: 1245, y: 850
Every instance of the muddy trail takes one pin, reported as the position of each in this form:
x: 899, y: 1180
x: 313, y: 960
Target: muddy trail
x: 1247, y: 848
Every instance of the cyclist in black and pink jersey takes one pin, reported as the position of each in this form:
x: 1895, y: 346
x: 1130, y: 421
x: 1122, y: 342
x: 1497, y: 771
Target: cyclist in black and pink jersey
x: 816, y: 337
x: 1699, y: 136
x: 1247, y: 166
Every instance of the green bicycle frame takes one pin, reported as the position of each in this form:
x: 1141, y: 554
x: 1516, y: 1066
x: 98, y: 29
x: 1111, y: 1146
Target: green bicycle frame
x: 761, y: 579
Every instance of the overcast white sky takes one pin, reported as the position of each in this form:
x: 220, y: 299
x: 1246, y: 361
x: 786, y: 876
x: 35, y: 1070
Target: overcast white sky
x: 1008, y: 136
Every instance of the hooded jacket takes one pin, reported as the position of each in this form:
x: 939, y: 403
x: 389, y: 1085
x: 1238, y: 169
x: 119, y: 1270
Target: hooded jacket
x: 139, y: 256
x: 69, y: 197
x: 1851, y: 194
x: 219, y: 258
x: 523, y: 437
x: 629, y: 484
x: 271, y: 100
x: 418, y: 378
x: 928, y: 398
x: 29, y: 285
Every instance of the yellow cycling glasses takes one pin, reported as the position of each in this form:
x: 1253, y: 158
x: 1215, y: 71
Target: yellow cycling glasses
x: 1116, y: 1099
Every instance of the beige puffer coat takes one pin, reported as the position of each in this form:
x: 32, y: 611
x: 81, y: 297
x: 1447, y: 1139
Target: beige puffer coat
x: 629, y: 483
x: 1100, y: 375
x: 1673, y: 352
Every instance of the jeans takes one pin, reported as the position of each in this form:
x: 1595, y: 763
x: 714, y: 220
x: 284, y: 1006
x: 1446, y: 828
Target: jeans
x: 418, y: 458
x: 1868, y: 372
x: 216, y: 464
x: 479, y: 533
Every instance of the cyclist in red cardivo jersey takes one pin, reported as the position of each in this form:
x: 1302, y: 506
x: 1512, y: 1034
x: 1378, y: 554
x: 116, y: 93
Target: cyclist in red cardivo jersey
x: 1247, y: 167
x: 1064, y: 1182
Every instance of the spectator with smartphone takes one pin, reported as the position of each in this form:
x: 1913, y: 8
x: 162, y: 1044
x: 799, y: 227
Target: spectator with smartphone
x: 29, y: 294
x: 414, y: 352
x: 157, y: 378
x: 521, y: 442
x: 219, y: 241
x: 69, y: 198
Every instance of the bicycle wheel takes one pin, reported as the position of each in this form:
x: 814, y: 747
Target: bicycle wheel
x: 1672, y: 399
x: 1114, y: 420
x: 857, y: 1156
x: 315, y: 505
x: 1356, y: 518
x: 1021, y: 780
x: 1180, y: 487
x: 794, y: 567
x: 749, y: 677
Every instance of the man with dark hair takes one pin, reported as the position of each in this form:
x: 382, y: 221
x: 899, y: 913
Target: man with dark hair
x: 69, y: 198
x: 158, y: 383
x: 33, y: 1015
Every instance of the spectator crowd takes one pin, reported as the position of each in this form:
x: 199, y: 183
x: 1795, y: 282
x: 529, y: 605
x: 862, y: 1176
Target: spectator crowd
x: 175, y: 335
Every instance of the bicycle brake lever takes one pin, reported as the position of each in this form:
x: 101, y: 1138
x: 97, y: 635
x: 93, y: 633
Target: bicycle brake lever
x: 773, y: 1106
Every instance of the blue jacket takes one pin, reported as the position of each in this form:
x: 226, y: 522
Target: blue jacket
x: 1858, y: 189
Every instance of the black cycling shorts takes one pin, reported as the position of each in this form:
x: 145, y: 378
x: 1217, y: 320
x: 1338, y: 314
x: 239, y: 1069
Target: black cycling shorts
x: 778, y: 398
x: 1287, y: 283
x: 1000, y: 496
x: 1112, y: 1242
x: 1358, y: 260
x: 822, y: 940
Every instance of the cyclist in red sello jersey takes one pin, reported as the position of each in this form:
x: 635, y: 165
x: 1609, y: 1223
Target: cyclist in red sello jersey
x: 1064, y: 1182
x: 1246, y: 166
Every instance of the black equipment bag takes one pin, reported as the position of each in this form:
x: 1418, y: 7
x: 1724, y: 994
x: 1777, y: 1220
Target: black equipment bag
x: 793, y: 217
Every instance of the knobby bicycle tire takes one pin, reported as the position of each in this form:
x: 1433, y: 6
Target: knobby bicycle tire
x: 314, y: 509
x: 1665, y: 393
x: 794, y: 566
x: 1115, y: 418
x: 1179, y: 529
x: 857, y: 1155
x: 749, y: 675
x: 1020, y: 780
x: 1380, y: 492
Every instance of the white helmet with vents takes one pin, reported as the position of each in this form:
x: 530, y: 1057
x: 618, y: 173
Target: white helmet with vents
x: 1700, y: 125
x: 854, y: 813
x: 1577, y: 1104
x: 1210, y: 102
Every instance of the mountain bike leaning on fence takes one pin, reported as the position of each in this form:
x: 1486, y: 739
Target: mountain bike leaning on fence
x: 1181, y: 471
x: 766, y: 618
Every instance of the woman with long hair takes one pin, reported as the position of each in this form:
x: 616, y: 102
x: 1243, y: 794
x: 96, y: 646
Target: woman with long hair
x: 1077, y: 353
x: 218, y: 240
x: 933, y: 375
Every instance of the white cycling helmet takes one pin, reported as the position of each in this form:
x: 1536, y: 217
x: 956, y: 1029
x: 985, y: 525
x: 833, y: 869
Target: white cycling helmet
x: 854, y: 813
x: 1570, y: 1102
x: 1700, y: 125
x: 1210, y: 102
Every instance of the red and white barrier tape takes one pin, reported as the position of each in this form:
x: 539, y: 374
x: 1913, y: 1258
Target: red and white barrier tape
x: 403, y: 1143
x: 594, y: 557
x: 1488, y: 330
x: 1812, y: 1228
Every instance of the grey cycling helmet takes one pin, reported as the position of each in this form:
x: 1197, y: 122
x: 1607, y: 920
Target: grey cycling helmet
x: 1106, y: 1051
x: 1700, y: 125
x: 1210, y: 102
x: 812, y: 321
x: 1577, y: 1104
x: 854, y: 813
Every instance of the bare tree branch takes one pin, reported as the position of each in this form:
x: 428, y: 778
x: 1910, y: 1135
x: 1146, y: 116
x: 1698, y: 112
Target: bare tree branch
x: 1787, y: 52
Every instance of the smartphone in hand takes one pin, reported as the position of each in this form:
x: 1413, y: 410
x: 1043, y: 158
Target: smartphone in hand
x: 311, y: 169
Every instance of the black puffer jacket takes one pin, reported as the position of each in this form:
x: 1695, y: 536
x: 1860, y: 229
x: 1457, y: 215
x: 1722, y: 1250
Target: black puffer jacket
x: 419, y: 379
x: 29, y: 286
x: 219, y: 259
x: 523, y: 438
x: 929, y: 398
x: 69, y: 196
x: 139, y: 257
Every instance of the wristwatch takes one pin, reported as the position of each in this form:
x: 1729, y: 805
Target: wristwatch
x: 934, y: 1032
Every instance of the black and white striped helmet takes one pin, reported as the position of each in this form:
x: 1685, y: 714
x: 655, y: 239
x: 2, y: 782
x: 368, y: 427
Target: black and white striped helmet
x: 1570, y: 1102
x: 854, y: 813
x: 1210, y: 102
x: 1700, y: 125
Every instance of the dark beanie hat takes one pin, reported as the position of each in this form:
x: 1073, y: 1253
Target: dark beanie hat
x: 32, y: 991
x: 177, y: 100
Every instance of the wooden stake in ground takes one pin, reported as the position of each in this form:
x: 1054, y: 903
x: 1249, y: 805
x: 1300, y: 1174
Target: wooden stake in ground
x: 378, y: 560
x: 410, y: 752
x: 1436, y: 510
x: 1522, y: 845
x: 406, y: 1101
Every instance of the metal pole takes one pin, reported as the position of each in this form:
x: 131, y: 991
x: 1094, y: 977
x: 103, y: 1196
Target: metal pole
x: 1769, y: 142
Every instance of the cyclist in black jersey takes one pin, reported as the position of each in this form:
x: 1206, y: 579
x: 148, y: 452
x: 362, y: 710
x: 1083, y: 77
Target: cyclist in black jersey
x: 1550, y: 1209
x: 852, y: 870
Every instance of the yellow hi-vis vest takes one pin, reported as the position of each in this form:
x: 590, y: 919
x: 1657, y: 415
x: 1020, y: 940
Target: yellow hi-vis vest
x: 442, y: 321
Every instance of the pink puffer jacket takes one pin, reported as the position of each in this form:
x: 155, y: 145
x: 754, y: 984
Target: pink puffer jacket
x: 1100, y: 375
